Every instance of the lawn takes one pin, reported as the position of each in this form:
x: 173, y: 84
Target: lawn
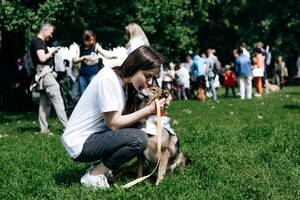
x: 246, y: 149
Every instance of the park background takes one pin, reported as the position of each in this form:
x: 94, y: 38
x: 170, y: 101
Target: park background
x: 240, y: 149
x: 173, y: 27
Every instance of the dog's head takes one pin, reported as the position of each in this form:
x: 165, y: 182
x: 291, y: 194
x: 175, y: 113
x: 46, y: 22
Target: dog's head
x: 147, y: 95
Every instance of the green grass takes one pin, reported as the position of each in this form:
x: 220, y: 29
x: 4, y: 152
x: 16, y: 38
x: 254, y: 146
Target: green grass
x: 240, y: 150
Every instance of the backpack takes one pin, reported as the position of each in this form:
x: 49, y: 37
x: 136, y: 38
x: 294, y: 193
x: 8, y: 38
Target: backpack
x: 28, y: 64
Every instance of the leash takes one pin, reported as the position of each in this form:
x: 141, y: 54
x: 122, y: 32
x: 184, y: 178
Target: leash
x: 158, y: 129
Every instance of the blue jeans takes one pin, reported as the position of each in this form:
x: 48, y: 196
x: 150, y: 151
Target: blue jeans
x: 84, y: 82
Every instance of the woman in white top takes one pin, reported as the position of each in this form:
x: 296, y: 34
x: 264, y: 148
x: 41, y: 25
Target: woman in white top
x: 137, y: 37
x: 97, y: 127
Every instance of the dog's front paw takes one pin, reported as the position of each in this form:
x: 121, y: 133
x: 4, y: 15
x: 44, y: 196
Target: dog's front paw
x: 157, y: 181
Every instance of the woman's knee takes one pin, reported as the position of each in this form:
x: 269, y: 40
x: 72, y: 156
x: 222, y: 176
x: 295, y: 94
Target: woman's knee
x: 140, y: 139
x: 144, y: 140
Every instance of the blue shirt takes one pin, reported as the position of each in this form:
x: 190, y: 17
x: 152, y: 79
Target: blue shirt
x: 243, y: 66
x: 198, y: 66
x: 87, y: 70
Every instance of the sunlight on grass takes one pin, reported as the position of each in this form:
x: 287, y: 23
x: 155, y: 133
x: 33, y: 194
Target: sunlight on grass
x: 240, y: 150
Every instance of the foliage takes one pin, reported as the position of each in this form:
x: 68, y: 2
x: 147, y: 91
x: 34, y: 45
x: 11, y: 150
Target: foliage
x: 166, y: 23
x: 172, y: 26
x: 240, y: 150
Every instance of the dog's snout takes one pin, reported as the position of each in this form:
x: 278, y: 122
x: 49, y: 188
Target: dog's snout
x: 165, y: 94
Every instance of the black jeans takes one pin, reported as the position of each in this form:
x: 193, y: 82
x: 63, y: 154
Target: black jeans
x: 113, y: 147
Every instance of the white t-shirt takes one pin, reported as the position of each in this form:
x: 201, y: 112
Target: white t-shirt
x: 136, y: 43
x: 183, y: 77
x: 245, y: 52
x: 105, y: 93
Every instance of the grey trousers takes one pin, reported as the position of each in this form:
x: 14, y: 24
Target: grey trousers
x: 51, y: 94
x: 113, y: 147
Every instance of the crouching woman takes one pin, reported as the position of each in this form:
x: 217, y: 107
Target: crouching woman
x: 97, y: 127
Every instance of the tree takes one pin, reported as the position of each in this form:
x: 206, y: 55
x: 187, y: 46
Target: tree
x: 173, y: 27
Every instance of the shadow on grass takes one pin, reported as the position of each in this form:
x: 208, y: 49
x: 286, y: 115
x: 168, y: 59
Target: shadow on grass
x: 125, y: 174
x: 13, y: 117
x: 32, y: 129
x: 68, y: 177
x: 293, y: 93
x: 292, y: 107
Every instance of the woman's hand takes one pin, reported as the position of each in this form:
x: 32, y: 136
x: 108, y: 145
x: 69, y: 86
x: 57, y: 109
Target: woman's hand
x: 86, y: 57
x: 152, y: 106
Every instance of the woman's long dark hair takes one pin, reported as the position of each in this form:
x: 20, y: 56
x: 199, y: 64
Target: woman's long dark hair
x: 143, y: 58
x: 87, y: 35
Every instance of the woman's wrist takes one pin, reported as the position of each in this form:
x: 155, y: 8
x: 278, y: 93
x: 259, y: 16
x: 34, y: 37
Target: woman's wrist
x: 149, y: 111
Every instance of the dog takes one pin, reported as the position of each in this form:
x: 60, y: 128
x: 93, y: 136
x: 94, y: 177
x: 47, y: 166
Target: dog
x: 171, y: 157
x: 271, y: 87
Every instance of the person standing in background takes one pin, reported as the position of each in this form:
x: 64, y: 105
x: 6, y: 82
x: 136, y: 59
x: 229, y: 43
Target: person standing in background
x: 137, y: 37
x: 243, y: 48
x: 229, y: 80
x: 199, y: 69
x: 281, y: 72
x: 48, y: 86
x: 212, y: 72
x: 193, y: 79
x: 244, y: 73
x: 182, y: 81
x: 88, y: 59
x: 267, y: 61
x: 258, y: 70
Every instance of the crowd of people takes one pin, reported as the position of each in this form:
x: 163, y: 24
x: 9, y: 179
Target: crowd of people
x: 49, y: 82
x: 98, y: 126
x: 199, y: 76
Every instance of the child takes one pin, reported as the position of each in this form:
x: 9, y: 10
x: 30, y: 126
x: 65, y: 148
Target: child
x: 229, y: 80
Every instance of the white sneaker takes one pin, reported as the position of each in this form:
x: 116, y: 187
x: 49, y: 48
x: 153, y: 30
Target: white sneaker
x: 98, y: 181
x: 257, y: 95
